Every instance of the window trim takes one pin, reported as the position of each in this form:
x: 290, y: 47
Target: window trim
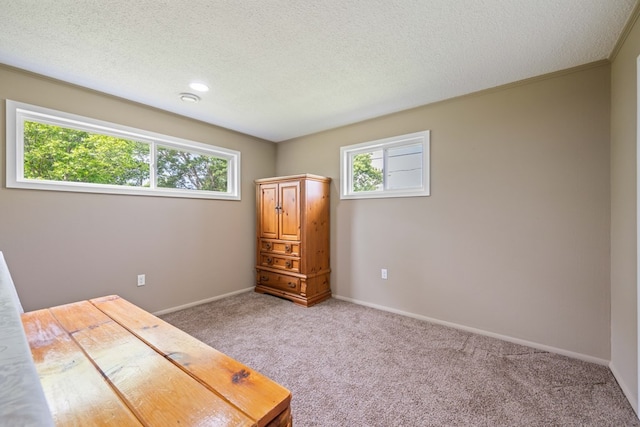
x: 348, y: 151
x: 17, y: 112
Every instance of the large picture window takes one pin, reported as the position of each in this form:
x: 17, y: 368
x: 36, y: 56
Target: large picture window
x: 52, y: 150
x: 390, y: 167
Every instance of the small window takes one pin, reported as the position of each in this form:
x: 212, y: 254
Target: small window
x: 52, y: 150
x: 390, y: 167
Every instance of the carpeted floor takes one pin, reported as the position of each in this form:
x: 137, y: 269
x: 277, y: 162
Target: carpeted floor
x: 348, y: 365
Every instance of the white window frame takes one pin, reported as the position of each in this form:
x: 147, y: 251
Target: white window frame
x: 348, y: 152
x: 18, y: 112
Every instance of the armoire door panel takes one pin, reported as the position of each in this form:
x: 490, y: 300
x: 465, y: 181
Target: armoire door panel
x: 289, y: 210
x: 268, y: 212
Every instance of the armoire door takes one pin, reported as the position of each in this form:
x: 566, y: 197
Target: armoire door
x: 267, y: 211
x: 289, y: 216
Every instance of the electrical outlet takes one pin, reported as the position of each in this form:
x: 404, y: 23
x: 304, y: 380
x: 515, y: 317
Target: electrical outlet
x: 141, y: 280
x: 383, y: 273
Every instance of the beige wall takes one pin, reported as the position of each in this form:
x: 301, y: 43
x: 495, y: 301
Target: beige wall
x: 624, y: 330
x: 514, y: 239
x: 62, y: 247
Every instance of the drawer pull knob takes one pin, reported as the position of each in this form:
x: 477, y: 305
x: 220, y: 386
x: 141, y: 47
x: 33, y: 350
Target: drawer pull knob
x: 264, y: 278
x: 288, y: 264
x: 268, y: 246
x: 291, y: 284
x: 287, y: 248
x: 269, y: 260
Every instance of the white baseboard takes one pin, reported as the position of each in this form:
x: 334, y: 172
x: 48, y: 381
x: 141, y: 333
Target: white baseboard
x: 204, y: 301
x: 507, y: 338
x: 633, y: 400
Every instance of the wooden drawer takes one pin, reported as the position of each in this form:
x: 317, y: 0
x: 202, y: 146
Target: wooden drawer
x: 279, y: 281
x: 282, y: 263
x: 280, y: 247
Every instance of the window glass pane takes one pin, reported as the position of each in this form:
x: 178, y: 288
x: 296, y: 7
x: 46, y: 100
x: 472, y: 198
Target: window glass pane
x: 191, y: 171
x: 404, y: 167
x: 367, y: 171
x: 58, y: 153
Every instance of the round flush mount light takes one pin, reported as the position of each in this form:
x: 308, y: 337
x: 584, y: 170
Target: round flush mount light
x: 200, y: 87
x: 189, y: 97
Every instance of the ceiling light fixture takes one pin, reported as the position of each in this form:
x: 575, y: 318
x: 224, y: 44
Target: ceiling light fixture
x: 200, y: 87
x: 189, y: 97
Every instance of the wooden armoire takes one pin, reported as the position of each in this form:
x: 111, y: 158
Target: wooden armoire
x: 293, y: 238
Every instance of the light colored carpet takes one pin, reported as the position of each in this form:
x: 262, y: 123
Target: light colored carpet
x: 348, y: 365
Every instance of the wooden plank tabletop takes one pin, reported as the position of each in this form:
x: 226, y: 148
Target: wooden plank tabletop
x: 256, y: 395
x: 108, y: 362
x: 64, y: 371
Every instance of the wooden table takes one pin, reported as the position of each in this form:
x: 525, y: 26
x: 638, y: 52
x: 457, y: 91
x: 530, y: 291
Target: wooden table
x: 108, y: 362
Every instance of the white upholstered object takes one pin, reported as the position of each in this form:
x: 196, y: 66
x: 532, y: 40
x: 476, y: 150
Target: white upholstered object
x: 22, y: 401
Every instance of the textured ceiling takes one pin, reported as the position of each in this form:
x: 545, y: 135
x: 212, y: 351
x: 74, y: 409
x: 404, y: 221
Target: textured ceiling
x: 281, y: 68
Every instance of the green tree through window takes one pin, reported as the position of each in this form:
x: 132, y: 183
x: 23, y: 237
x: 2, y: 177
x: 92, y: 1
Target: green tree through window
x: 191, y: 171
x: 366, y: 177
x: 62, y: 154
